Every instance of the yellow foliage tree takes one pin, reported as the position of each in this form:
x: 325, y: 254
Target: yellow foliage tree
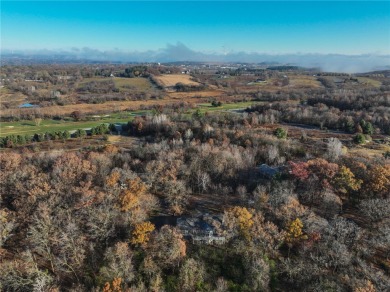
x: 240, y: 217
x: 141, y: 233
x: 114, y: 287
x: 294, y: 231
x: 130, y: 197
x: 345, y: 180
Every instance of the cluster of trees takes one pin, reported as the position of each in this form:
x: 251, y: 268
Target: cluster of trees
x: 81, y: 220
x: 135, y: 71
x: 20, y: 140
x: 328, y: 117
x: 181, y: 87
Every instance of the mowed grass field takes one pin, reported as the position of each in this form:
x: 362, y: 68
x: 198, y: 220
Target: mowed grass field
x: 168, y: 80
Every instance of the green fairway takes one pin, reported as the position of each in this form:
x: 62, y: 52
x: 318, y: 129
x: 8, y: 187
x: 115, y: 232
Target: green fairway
x: 29, y: 127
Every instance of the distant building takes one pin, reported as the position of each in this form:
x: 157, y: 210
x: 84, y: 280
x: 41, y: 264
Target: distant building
x: 201, y: 230
x: 66, y: 77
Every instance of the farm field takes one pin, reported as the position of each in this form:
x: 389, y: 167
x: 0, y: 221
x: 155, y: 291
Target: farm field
x: 168, y: 80
x: 123, y: 84
x: 186, y: 95
x: 138, y: 83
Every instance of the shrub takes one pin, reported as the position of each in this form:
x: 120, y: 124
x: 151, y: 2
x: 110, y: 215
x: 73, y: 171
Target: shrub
x: 280, y: 133
x: 80, y: 133
x: 359, y: 139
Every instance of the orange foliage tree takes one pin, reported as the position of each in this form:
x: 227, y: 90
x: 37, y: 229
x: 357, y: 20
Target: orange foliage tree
x: 112, y: 179
x: 379, y: 180
x: 115, y: 286
x: 130, y: 197
x: 141, y: 233
x: 239, y: 220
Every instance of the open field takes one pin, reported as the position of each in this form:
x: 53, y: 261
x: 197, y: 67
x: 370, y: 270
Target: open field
x: 296, y: 82
x: 186, y: 95
x: 96, y: 79
x: 3, y: 90
x: 370, y: 149
x: 304, y: 81
x: 107, y: 107
x: 168, y: 80
x: 369, y: 81
x: 28, y: 127
x: 138, y: 83
x: 123, y: 84
x: 11, y: 99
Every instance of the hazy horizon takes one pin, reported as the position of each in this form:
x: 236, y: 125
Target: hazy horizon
x: 336, y: 36
x: 181, y: 53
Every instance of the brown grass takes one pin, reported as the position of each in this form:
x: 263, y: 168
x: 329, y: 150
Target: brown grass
x: 169, y: 80
x: 14, y: 99
x: 302, y: 81
x: 111, y: 106
x: 370, y: 149
x: 186, y: 95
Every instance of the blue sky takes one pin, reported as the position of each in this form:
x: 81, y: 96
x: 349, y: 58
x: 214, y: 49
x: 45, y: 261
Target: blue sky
x: 267, y: 27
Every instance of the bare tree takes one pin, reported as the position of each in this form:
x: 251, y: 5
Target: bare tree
x: 334, y: 149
